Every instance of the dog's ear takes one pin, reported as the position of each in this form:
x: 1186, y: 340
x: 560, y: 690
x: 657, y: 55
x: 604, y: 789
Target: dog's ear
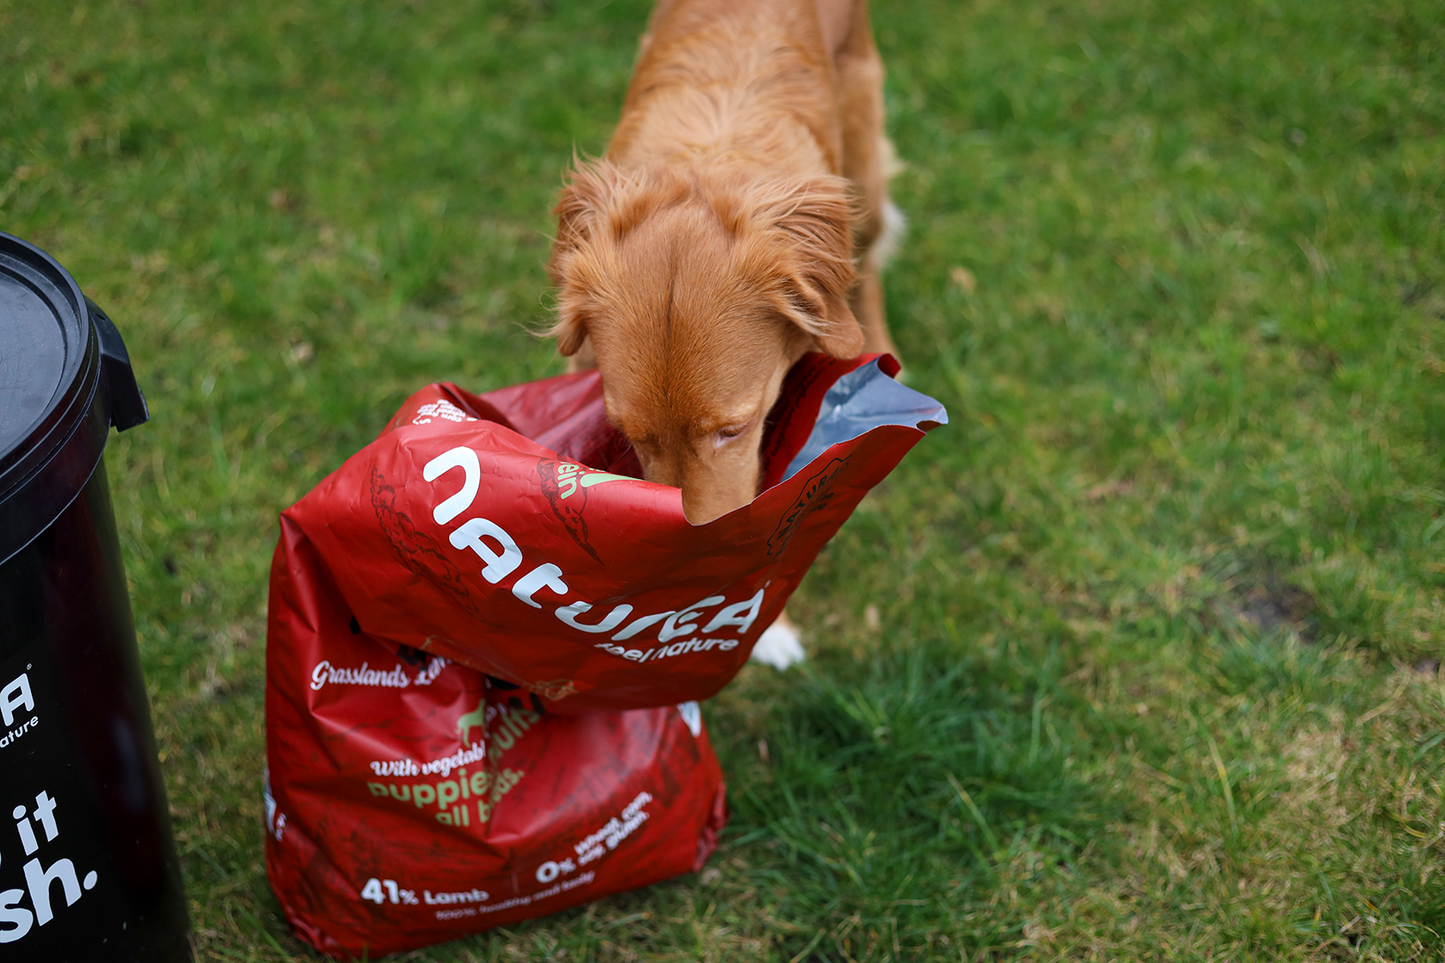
x: 581, y: 208
x: 815, y: 220
x: 570, y: 330
x: 580, y: 211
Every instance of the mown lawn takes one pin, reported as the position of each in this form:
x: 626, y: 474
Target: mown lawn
x: 1138, y: 659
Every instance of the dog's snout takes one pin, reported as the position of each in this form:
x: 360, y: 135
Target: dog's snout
x: 698, y: 510
x: 661, y: 471
x: 712, y: 498
x: 706, y: 494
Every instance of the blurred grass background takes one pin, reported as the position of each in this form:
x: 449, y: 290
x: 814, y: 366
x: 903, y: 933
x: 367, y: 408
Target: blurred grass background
x: 1139, y: 659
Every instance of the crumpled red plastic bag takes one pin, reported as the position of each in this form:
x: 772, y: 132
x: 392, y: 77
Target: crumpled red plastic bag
x: 481, y: 627
x: 511, y: 532
x: 410, y: 800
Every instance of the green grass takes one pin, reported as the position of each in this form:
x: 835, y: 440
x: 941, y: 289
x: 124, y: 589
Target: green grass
x: 1139, y: 659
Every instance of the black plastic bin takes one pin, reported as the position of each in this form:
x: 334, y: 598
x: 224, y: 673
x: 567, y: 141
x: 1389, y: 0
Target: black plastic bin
x: 88, y: 868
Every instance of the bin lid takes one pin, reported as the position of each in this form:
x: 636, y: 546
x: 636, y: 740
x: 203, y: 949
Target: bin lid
x: 65, y: 378
x: 42, y: 346
x: 32, y: 359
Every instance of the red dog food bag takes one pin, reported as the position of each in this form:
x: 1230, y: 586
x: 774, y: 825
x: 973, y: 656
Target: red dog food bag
x: 511, y: 532
x: 410, y: 800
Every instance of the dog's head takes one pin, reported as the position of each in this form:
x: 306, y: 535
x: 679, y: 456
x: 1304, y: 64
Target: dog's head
x: 697, y: 293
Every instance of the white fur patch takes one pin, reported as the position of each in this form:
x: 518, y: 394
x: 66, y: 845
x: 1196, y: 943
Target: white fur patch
x: 778, y: 647
x: 892, y: 163
x: 895, y: 224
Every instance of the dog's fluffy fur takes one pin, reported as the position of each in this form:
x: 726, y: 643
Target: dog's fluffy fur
x: 732, y: 226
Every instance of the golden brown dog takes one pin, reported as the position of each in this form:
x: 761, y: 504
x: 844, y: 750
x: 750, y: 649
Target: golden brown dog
x: 733, y: 225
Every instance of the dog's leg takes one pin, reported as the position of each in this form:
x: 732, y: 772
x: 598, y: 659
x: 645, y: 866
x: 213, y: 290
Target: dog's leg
x: 779, y: 645
x: 867, y: 298
x: 868, y: 161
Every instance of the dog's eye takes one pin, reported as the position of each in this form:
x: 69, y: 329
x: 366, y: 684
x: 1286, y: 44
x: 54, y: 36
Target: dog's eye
x: 725, y: 435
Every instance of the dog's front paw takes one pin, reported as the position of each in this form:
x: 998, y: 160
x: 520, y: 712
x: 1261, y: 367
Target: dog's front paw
x: 779, y: 647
